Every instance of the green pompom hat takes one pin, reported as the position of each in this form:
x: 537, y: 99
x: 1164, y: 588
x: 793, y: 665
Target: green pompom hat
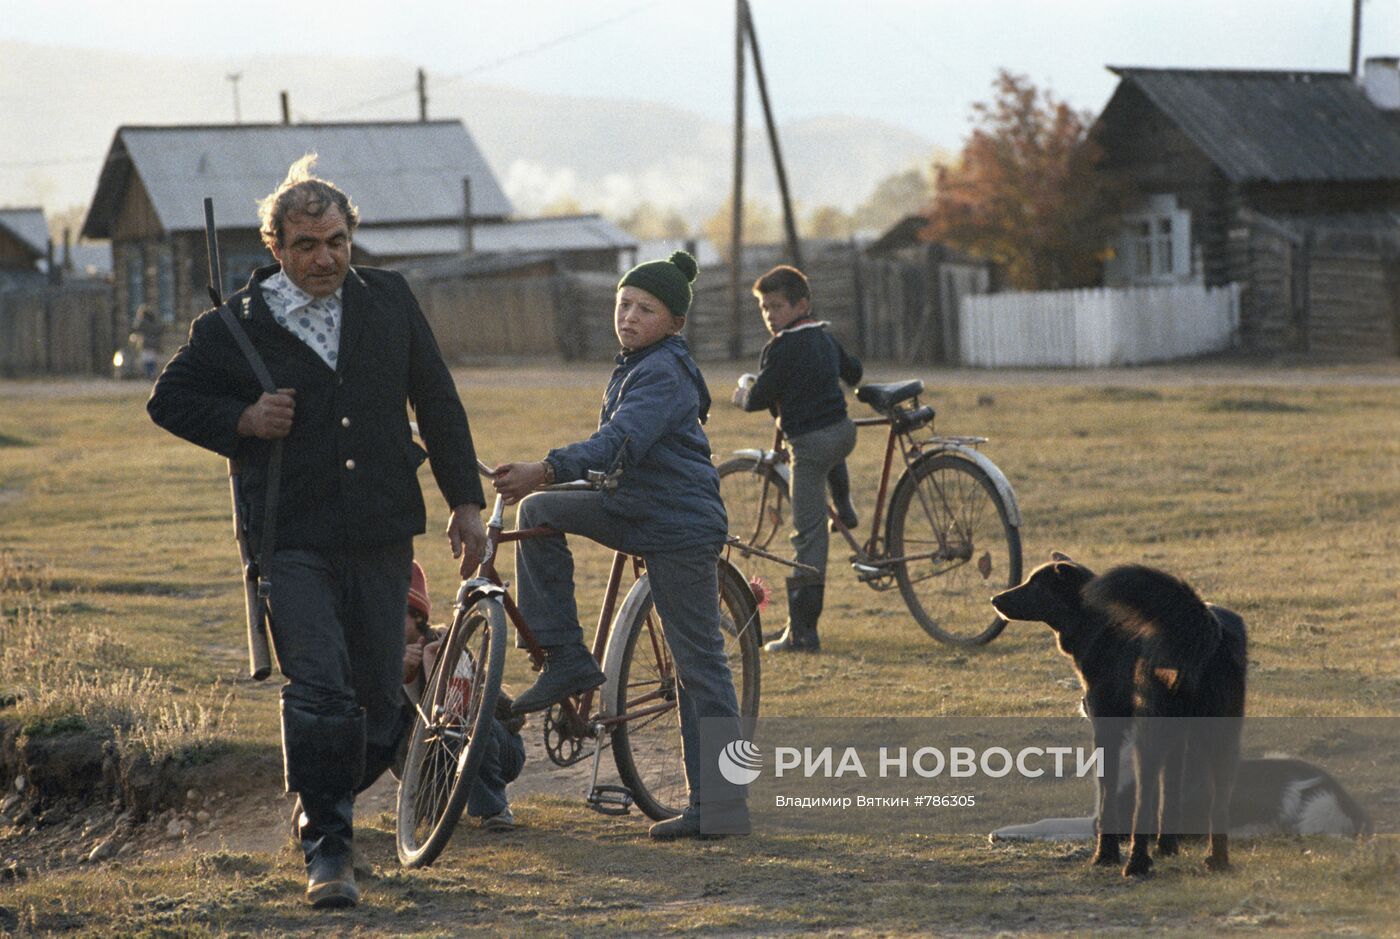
x: 669, y: 280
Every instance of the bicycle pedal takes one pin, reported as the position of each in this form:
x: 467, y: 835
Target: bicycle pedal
x: 866, y: 571
x: 610, y: 800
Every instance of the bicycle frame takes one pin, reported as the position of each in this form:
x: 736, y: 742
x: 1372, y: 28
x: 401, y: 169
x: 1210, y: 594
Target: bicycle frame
x: 870, y: 551
x: 869, y: 557
x: 580, y: 715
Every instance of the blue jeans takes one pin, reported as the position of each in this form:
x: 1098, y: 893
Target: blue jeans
x: 685, y: 589
x: 505, y: 758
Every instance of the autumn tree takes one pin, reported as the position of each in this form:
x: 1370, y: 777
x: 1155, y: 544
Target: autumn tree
x: 893, y: 198
x: 648, y: 221
x: 1025, y: 191
x: 762, y: 225
x: 827, y: 221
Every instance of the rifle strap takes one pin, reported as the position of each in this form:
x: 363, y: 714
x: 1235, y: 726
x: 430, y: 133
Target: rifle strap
x: 274, y: 457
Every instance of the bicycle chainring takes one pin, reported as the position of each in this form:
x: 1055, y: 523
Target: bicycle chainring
x: 562, y: 742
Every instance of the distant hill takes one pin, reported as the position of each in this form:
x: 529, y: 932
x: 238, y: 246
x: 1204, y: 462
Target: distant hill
x: 59, y: 108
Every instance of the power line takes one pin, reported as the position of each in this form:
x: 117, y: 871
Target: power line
x: 59, y: 161
x: 551, y: 43
x: 503, y: 60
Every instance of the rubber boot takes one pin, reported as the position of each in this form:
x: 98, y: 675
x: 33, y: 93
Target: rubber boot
x: 706, y: 822
x: 838, y: 482
x: 567, y: 670
x: 804, y: 609
x: 326, y: 827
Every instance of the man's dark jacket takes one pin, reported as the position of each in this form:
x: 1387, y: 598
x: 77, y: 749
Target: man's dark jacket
x: 349, y: 465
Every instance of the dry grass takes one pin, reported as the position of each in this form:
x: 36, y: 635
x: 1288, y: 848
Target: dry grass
x: 63, y: 675
x: 1280, y: 500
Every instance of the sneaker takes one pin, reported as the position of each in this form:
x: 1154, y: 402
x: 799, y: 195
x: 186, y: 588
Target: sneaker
x: 504, y: 820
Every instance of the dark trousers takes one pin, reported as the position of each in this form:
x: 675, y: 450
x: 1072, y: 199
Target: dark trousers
x: 337, y: 626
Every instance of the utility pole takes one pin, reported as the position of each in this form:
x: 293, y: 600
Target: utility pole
x: 233, y: 78
x: 736, y: 235
x: 468, y: 235
x: 422, y: 95
x: 789, y: 224
x: 1355, y: 38
x: 286, y: 108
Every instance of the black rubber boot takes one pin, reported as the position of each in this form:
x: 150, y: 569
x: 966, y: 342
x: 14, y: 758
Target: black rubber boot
x: 838, y: 481
x: 567, y: 670
x: 326, y: 827
x: 708, y: 821
x: 804, y: 609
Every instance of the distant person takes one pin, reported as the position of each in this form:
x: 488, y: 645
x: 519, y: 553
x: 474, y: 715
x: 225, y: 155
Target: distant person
x: 349, y: 350
x: 505, y: 751
x: 800, y: 371
x: 146, y: 332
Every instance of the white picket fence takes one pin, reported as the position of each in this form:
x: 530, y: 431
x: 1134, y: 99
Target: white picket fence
x: 1094, y: 328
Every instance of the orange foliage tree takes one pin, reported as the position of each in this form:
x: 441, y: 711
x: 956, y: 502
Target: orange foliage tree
x: 1025, y: 191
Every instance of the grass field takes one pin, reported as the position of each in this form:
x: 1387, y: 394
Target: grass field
x: 1277, y: 497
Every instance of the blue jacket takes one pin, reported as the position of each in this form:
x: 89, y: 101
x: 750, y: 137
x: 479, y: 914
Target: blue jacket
x: 669, y: 491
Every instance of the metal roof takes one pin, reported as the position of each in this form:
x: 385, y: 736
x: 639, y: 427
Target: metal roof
x: 557, y: 233
x: 393, y: 171
x: 1273, y: 126
x: 29, y: 227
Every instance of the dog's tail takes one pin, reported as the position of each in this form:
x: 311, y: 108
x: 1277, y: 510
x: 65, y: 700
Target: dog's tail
x: 1177, y: 631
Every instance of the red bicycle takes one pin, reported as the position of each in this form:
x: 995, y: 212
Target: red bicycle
x: 953, y: 534
x: 634, y: 711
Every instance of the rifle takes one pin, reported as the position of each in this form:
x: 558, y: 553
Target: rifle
x: 256, y: 588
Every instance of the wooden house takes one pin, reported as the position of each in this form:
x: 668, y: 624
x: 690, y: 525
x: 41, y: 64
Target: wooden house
x: 1285, y: 182
x: 24, y: 246
x: 911, y: 294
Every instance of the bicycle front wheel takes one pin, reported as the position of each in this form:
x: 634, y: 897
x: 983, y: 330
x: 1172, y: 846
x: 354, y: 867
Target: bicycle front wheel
x: 950, y: 524
x: 756, y: 500
x: 450, y: 732
x: 647, y: 741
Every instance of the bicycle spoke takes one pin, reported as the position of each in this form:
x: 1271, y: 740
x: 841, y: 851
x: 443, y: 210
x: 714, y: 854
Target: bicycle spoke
x: 950, y: 510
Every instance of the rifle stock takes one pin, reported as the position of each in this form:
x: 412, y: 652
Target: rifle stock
x: 259, y: 654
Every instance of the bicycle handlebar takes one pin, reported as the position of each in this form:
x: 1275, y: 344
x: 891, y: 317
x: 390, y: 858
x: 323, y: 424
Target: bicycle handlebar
x: 596, y: 480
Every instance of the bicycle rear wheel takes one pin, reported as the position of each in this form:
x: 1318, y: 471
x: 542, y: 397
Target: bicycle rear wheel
x: 756, y: 500
x: 647, y: 748
x: 450, y: 732
x: 949, y: 519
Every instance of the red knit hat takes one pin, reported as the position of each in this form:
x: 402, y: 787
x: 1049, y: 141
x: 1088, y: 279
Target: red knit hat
x: 418, y: 592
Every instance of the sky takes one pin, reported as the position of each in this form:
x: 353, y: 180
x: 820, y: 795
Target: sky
x: 918, y: 64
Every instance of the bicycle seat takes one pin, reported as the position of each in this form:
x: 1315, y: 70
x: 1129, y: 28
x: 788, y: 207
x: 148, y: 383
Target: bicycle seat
x: 882, y: 397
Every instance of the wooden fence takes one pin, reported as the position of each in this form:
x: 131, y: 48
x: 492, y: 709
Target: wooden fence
x: 66, y: 330
x: 1094, y: 328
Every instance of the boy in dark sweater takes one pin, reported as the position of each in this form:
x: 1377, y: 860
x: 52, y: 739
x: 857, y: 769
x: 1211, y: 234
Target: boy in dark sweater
x: 799, y: 382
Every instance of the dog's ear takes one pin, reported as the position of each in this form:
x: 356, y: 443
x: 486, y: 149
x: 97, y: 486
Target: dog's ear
x: 1071, y: 576
x: 1060, y: 556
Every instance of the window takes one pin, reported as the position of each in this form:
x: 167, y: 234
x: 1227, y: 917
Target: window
x: 165, y: 284
x: 135, y: 279
x: 1154, y: 246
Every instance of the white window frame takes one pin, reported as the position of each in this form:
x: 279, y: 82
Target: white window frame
x: 1154, y: 244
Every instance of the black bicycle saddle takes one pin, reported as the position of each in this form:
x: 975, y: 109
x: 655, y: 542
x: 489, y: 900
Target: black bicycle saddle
x: 882, y: 397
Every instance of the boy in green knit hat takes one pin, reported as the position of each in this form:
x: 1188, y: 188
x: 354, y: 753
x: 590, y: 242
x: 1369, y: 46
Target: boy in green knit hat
x: 666, y: 509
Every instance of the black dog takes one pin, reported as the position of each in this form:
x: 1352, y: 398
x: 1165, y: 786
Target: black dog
x: 1159, y: 664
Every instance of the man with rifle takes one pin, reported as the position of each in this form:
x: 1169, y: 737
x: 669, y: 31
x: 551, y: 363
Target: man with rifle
x: 344, y: 349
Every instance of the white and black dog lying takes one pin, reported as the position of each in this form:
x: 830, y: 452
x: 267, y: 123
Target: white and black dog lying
x: 1157, y: 663
x: 1274, y: 795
